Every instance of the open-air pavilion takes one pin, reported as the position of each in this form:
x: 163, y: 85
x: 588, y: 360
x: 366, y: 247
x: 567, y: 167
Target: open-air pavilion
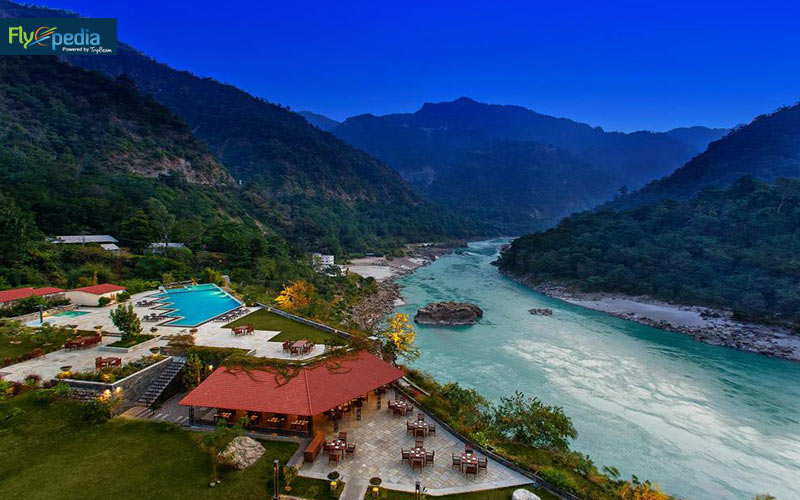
x: 292, y: 402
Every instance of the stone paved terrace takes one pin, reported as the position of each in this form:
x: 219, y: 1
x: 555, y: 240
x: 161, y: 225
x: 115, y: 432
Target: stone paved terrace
x: 208, y: 334
x: 378, y: 438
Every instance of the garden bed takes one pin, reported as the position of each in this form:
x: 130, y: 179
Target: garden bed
x: 110, y: 375
x: 131, y: 344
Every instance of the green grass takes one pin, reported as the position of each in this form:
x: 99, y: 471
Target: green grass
x: 316, y: 489
x: 499, y: 494
x: 132, y: 341
x: 290, y: 330
x: 48, y: 453
x: 29, y: 339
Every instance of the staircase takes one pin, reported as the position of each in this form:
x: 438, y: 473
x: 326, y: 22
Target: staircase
x: 157, y: 387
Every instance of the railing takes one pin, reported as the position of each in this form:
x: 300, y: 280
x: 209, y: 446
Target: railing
x: 308, y: 322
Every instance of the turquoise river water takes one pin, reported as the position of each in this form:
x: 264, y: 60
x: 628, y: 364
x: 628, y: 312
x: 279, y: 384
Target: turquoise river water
x: 705, y: 422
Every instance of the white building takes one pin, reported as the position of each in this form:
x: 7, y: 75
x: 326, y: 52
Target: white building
x: 322, y: 261
x: 90, y: 295
x: 82, y: 239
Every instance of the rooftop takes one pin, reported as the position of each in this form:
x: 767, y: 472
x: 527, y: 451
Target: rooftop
x: 311, y: 391
x: 99, y: 289
x: 85, y: 238
x: 22, y: 293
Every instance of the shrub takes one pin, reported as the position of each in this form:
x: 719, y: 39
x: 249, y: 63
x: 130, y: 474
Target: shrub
x: 558, y: 478
x: 33, y: 380
x: 103, y: 301
x: 123, y: 296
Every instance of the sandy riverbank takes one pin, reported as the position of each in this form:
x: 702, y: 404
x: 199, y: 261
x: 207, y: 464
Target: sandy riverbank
x: 712, y: 326
x: 369, y: 313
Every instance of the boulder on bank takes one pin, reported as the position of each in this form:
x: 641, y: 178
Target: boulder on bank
x: 449, y: 313
x: 242, y: 452
x: 541, y: 312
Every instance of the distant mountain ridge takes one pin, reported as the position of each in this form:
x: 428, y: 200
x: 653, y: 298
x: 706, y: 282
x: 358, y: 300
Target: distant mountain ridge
x: 766, y: 148
x: 435, y: 149
x: 320, y: 121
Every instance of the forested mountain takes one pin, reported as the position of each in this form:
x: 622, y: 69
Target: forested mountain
x: 319, y: 121
x: 767, y: 148
x: 81, y: 151
x: 736, y: 248
x: 425, y: 144
x: 302, y: 181
x: 520, y: 184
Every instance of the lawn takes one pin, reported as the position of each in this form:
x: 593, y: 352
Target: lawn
x: 132, y: 341
x: 16, y: 339
x: 290, y: 330
x: 499, y: 494
x: 48, y: 453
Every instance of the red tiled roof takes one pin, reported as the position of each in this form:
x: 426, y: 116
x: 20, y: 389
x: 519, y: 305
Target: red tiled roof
x: 21, y: 293
x: 99, y: 289
x: 310, y: 392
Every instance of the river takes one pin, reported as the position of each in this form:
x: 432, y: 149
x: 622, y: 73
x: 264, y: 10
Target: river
x: 704, y: 422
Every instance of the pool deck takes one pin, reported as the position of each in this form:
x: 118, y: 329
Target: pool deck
x: 211, y: 334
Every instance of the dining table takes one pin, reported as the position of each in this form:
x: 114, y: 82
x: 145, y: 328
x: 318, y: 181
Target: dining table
x: 298, y: 347
x: 416, y: 454
x: 419, y: 425
x: 338, y: 446
x: 468, y: 459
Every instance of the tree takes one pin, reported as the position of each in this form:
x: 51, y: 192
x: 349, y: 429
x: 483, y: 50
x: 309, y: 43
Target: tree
x: 296, y: 296
x: 529, y: 421
x: 193, y: 371
x: 17, y: 230
x: 641, y: 491
x: 398, y: 338
x: 215, y: 442
x: 163, y: 221
x: 125, y: 318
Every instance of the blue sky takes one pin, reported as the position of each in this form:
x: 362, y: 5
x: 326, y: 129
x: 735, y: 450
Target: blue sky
x: 626, y: 66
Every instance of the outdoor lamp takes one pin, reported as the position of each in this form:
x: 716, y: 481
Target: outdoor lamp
x: 275, y: 464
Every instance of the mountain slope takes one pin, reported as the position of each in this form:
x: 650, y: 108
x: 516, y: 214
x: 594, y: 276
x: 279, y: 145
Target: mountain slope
x: 429, y: 148
x: 767, y: 148
x: 320, y: 121
x: 81, y: 151
x: 301, y: 181
x: 508, y: 177
x: 736, y: 248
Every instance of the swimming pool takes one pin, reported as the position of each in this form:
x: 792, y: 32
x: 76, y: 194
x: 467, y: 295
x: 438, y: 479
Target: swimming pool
x: 64, y: 314
x: 194, y: 305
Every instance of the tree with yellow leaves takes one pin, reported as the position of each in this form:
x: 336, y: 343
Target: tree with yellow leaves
x: 296, y: 296
x: 641, y: 491
x: 399, y: 336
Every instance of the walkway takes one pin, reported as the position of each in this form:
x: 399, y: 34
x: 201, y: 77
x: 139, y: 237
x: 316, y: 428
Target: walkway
x: 212, y: 334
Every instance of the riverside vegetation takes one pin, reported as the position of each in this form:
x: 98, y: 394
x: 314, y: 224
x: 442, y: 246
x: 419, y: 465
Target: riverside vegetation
x: 734, y: 248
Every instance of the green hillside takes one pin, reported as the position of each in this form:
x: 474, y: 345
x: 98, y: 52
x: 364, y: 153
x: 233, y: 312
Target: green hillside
x: 736, y: 248
x: 767, y: 148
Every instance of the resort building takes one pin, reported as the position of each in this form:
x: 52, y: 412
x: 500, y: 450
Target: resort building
x: 10, y: 297
x: 90, y: 295
x: 82, y: 239
x: 322, y: 261
x: 295, y: 403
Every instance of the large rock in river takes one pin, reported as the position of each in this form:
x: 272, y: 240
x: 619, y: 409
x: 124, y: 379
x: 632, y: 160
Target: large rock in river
x: 449, y: 313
